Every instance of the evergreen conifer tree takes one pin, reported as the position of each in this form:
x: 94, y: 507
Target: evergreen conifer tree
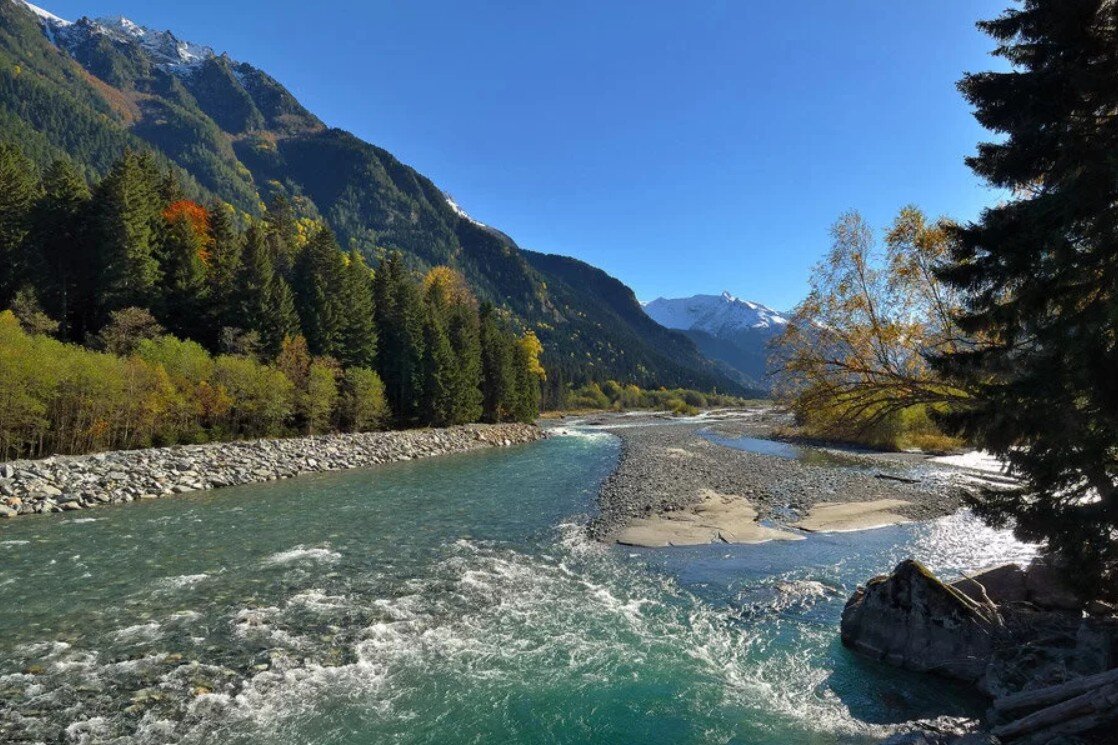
x: 266, y: 303
x: 224, y: 266
x: 183, y: 255
x: 17, y: 195
x: 358, y: 326
x: 400, y: 321
x: 61, y: 235
x: 126, y: 216
x: 1040, y: 277
x: 319, y: 284
x: 498, y: 381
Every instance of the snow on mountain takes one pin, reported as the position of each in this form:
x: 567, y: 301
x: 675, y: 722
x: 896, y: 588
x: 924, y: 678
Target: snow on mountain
x: 718, y: 315
x: 47, y: 16
x: 461, y: 212
x: 165, y: 48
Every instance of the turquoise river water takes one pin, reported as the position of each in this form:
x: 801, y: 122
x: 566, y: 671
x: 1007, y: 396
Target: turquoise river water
x: 453, y: 600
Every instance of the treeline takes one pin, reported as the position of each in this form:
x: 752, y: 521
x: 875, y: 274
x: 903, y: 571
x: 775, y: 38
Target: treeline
x: 615, y: 396
x: 225, y: 325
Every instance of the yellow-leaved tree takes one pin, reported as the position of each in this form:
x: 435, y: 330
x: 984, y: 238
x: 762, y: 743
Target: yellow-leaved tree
x: 853, y: 361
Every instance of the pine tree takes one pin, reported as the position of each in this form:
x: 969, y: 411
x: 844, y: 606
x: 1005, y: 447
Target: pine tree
x: 224, y: 266
x: 126, y: 216
x: 183, y: 255
x: 266, y: 305
x: 450, y: 301
x: 283, y: 234
x: 61, y: 234
x: 440, y: 390
x: 358, y: 327
x: 1040, y: 276
x: 400, y: 321
x: 498, y: 381
x: 17, y: 195
x: 319, y: 283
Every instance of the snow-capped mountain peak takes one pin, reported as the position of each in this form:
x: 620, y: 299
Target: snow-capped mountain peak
x: 165, y: 48
x: 461, y: 212
x: 714, y: 314
x: 47, y: 16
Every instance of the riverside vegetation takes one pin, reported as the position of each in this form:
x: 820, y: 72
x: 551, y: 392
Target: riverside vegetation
x: 1000, y: 332
x: 273, y: 329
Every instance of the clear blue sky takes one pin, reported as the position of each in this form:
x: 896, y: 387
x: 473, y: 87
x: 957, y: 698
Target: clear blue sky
x: 684, y: 147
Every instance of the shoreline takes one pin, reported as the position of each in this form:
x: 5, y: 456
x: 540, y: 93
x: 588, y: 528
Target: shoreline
x: 659, y: 494
x: 64, y: 483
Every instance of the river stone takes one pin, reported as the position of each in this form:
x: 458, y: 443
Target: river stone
x: 912, y: 620
x: 1003, y: 584
x: 6, y: 471
x: 6, y: 511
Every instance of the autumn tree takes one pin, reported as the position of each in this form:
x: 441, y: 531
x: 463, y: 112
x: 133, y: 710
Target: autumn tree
x: 853, y: 361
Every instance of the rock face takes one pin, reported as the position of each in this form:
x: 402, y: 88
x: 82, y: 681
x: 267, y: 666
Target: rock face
x: 60, y: 484
x: 1001, y: 584
x: 912, y: 620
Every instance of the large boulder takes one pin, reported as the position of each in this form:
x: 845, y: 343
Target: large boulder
x: 1048, y: 588
x: 912, y: 620
x: 1001, y: 584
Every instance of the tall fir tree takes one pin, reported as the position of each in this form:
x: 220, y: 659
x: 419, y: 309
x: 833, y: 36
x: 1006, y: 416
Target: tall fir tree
x: 60, y: 233
x: 127, y: 213
x: 266, y: 305
x: 319, y: 284
x: 455, y: 308
x: 184, y: 252
x: 1040, y: 277
x: 358, y: 326
x: 224, y: 266
x: 440, y: 371
x: 498, y: 378
x: 399, y: 317
x: 17, y: 196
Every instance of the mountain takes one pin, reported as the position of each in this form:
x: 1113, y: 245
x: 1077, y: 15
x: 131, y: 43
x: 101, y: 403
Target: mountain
x: 90, y: 89
x: 725, y: 328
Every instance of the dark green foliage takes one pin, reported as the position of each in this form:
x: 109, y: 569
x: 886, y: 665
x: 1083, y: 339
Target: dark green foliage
x: 125, y: 223
x: 463, y: 330
x: 182, y: 295
x: 358, y: 328
x: 266, y: 302
x: 319, y: 284
x: 66, y: 266
x: 1040, y: 277
x: 17, y: 195
x: 224, y: 266
x: 498, y: 378
x: 400, y: 316
x: 439, y: 371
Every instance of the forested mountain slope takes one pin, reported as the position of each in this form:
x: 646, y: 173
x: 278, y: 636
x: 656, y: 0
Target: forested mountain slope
x: 90, y: 89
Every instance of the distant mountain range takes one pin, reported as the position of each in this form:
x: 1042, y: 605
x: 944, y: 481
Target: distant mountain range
x: 90, y: 89
x: 727, y: 329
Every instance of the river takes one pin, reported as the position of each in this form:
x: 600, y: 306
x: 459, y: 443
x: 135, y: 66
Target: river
x: 453, y: 600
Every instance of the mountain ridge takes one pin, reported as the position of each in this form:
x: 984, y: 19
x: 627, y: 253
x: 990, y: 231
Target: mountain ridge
x: 725, y: 328
x: 89, y: 89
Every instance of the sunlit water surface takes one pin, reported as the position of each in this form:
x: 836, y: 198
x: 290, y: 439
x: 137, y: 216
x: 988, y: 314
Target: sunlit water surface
x: 443, y: 601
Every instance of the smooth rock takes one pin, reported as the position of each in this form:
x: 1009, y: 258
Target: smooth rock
x: 912, y: 620
x: 1003, y: 584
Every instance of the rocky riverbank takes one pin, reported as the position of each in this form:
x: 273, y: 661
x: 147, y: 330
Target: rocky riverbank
x: 669, y: 471
x: 70, y: 483
x: 1046, y: 657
